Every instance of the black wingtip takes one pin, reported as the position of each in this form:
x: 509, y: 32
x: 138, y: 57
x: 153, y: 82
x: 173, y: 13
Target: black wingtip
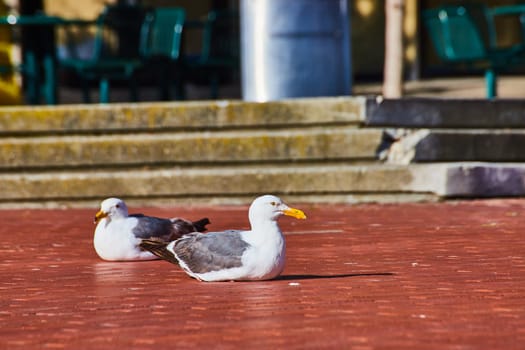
x: 152, y: 245
x: 200, y: 225
x: 159, y: 249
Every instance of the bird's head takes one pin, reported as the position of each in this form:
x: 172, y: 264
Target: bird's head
x: 113, y: 208
x: 271, y: 207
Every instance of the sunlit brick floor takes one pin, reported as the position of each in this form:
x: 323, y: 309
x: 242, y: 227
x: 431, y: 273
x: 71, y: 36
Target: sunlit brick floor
x: 399, y: 276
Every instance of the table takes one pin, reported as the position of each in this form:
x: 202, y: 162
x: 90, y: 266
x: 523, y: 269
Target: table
x: 39, y: 62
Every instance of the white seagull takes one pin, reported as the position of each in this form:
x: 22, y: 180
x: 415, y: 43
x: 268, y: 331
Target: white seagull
x: 118, y: 235
x: 257, y: 254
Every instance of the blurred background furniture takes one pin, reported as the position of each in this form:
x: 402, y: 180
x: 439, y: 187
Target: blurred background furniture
x: 466, y: 34
x: 115, y: 54
x: 131, y: 40
x: 160, y: 48
x: 38, y: 66
x: 219, y: 58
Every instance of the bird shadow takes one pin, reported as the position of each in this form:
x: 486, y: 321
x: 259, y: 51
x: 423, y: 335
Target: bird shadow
x: 312, y: 277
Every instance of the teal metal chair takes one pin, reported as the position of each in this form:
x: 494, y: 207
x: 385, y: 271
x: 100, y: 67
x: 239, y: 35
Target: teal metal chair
x: 160, y: 48
x: 219, y: 56
x: 465, y: 34
x: 115, y: 54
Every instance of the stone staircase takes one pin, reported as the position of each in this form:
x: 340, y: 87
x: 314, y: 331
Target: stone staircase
x: 475, y: 146
x: 309, y: 150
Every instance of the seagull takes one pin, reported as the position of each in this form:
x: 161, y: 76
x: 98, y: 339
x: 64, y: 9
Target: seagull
x: 233, y: 255
x: 118, y: 235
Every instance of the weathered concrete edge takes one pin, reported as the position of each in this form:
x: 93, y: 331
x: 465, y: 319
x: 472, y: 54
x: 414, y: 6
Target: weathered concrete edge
x: 189, y: 148
x: 181, y: 115
x: 441, y: 145
x: 486, y: 180
x: 445, y: 113
x: 238, y: 185
x: 225, y: 201
x: 471, y: 179
x: 467, y: 179
x: 320, y: 180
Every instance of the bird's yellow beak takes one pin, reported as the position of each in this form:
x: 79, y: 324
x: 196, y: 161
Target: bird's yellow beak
x: 99, y: 215
x: 296, y: 213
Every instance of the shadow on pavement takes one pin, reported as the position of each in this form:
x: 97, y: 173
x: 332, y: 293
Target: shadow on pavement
x: 309, y: 277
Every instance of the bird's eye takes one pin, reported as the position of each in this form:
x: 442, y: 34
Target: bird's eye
x: 117, y: 206
x: 273, y: 203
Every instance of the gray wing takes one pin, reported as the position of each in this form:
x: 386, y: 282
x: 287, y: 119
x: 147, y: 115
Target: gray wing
x: 212, y: 251
x: 152, y: 227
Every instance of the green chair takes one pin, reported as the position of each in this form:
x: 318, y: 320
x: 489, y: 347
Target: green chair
x: 116, y: 52
x: 160, y: 48
x: 465, y: 34
x: 219, y: 56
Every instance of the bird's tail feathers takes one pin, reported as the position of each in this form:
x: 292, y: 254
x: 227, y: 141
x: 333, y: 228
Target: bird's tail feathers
x: 200, y: 225
x: 183, y: 226
x: 159, y: 249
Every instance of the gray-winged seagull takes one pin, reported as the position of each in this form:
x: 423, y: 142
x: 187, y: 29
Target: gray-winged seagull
x: 257, y: 254
x: 118, y: 235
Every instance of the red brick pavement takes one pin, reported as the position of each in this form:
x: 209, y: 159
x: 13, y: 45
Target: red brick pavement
x: 406, y: 276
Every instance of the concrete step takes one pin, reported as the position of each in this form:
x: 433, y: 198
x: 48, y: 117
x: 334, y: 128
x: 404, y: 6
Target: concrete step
x: 197, y: 147
x: 317, y: 150
x: 454, y: 145
x: 209, y: 115
x: 216, y: 183
x: 239, y: 184
x: 445, y: 113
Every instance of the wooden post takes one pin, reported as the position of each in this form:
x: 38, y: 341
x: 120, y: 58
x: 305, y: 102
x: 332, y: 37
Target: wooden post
x: 411, y: 49
x: 393, y: 67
